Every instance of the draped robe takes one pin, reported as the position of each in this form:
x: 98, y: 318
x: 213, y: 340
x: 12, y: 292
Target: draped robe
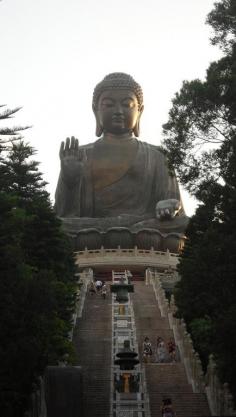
x: 120, y: 185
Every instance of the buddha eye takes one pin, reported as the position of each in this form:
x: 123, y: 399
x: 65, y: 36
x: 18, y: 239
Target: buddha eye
x: 107, y: 103
x: 128, y: 103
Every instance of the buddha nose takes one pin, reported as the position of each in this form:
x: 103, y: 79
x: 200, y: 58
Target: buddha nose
x: 118, y: 108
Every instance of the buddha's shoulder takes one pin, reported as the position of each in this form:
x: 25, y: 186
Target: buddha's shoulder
x: 143, y: 144
x: 87, y: 149
x: 91, y: 145
x: 154, y: 148
x: 87, y: 146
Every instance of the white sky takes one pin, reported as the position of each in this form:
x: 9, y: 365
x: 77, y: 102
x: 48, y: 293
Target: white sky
x: 54, y: 52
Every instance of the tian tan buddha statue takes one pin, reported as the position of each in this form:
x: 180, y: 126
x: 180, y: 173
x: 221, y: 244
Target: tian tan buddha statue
x: 118, y: 190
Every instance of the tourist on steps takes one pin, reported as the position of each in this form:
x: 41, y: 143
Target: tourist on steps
x: 91, y: 288
x: 98, y: 285
x: 104, y: 291
x: 172, y: 349
x: 167, y: 408
x: 161, y: 350
x: 147, y: 350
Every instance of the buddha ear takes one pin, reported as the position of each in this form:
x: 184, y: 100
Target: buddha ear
x: 99, y: 128
x: 136, y: 127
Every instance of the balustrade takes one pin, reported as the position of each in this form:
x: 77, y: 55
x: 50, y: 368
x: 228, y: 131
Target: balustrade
x: 118, y: 256
x: 219, y: 397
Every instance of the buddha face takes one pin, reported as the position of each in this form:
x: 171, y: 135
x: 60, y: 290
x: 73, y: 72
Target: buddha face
x: 118, y: 111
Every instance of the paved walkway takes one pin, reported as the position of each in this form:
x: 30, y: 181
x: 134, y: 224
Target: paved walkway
x: 92, y: 340
x: 168, y: 379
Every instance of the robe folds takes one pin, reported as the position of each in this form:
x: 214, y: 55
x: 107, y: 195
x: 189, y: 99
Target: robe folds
x: 111, y: 191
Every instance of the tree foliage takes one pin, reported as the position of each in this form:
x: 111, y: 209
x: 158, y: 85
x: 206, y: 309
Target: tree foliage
x: 200, y: 140
x: 37, y: 290
x: 9, y: 135
x: 200, y: 133
x: 223, y: 21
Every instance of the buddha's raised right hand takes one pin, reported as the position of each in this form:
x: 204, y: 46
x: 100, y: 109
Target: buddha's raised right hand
x: 72, y: 159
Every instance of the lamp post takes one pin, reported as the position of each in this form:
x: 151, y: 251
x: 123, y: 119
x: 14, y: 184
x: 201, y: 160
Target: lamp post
x: 122, y: 290
x: 127, y: 360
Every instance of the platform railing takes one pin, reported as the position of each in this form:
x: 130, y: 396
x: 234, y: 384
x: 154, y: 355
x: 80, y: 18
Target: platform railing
x: 119, y: 256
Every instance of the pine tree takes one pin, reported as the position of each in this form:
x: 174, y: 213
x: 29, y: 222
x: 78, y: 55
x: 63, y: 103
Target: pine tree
x: 37, y: 291
x: 8, y: 135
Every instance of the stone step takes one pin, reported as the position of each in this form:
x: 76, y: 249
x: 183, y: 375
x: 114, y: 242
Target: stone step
x: 166, y: 369
x: 92, y: 340
x: 163, y: 379
x: 152, y: 323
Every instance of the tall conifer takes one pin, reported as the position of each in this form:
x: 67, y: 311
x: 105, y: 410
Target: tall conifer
x: 37, y: 291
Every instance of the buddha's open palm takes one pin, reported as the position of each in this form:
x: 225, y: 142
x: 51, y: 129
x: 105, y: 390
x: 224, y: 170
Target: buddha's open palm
x: 167, y: 209
x: 72, y: 159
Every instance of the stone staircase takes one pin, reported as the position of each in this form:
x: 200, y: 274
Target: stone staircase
x: 92, y: 339
x: 107, y: 275
x: 168, y: 379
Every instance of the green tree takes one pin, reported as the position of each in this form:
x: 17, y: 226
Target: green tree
x: 222, y: 20
x: 9, y: 135
x: 200, y: 140
x: 37, y: 291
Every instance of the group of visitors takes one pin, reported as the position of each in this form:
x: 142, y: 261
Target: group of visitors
x: 165, y: 352
x: 162, y: 350
x: 98, y: 287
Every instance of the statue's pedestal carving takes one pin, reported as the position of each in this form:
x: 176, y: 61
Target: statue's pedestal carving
x: 123, y: 237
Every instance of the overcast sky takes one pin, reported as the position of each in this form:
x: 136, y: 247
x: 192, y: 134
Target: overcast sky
x: 54, y: 52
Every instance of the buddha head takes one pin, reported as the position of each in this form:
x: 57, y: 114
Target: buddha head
x: 117, y: 105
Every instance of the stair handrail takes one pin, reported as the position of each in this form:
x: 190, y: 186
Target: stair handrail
x: 85, y: 277
x: 219, y: 396
x: 190, y: 356
x: 160, y: 293
x: 183, y: 339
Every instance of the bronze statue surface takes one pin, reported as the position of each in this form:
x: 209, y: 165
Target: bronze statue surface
x: 118, y: 190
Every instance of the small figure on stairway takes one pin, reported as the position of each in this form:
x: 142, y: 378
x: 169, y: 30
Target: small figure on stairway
x: 147, y: 350
x: 129, y: 276
x: 91, y: 288
x: 98, y: 284
x: 167, y: 408
x: 172, y: 349
x: 161, y: 350
x: 104, y: 291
